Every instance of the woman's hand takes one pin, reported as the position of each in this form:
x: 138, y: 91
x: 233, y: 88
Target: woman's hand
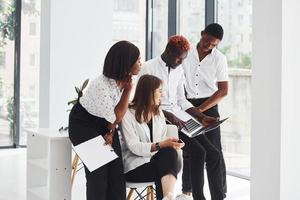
x: 108, y: 137
x: 172, y: 142
x: 127, y: 85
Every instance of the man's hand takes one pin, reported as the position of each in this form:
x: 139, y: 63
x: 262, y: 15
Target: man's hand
x: 174, y: 120
x: 202, y: 118
x: 200, y: 109
x: 207, y: 120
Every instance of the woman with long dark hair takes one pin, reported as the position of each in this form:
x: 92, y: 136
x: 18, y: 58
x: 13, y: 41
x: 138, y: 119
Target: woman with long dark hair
x: 98, y: 112
x: 148, y: 155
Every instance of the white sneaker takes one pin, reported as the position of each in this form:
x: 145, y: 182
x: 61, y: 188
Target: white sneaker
x: 170, y: 196
x: 183, y: 197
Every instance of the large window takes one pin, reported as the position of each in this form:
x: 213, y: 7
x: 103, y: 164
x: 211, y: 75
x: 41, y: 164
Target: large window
x: 129, y: 22
x: 29, y: 79
x: 7, y: 14
x: 235, y: 17
x: 25, y: 108
x: 159, y: 26
x: 191, y: 19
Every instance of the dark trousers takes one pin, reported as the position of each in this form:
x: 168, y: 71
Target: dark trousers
x: 196, y: 152
x: 107, y: 182
x: 102, y: 183
x: 214, y: 136
x: 162, y: 163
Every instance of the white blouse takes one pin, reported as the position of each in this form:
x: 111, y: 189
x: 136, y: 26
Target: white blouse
x: 202, y: 77
x: 173, y: 97
x: 101, y: 98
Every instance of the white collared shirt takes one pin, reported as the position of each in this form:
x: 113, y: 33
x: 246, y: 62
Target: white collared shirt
x: 173, y: 97
x: 101, y: 98
x: 202, y: 77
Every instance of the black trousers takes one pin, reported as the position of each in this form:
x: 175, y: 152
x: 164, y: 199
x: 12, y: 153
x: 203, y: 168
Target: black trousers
x: 196, y: 152
x: 162, y: 163
x: 214, y: 136
x: 102, y: 183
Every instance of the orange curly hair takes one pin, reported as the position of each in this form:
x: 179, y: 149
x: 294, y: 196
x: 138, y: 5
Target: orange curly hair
x: 179, y: 42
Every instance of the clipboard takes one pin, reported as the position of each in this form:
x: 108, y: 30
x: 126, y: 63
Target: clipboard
x: 94, y: 154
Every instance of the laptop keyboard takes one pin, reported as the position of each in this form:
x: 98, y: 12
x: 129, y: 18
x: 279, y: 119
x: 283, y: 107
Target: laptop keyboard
x: 191, y: 125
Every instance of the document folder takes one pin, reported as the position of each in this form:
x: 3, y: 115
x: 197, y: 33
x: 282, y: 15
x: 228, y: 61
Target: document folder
x: 94, y: 154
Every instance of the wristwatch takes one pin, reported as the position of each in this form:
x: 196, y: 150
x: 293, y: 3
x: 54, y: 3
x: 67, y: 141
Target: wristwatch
x: 157, y: 147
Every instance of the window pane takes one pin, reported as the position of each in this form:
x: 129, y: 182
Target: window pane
x: 235, y: 17
x: 32, y: 29
x: 160, y: 26
x: 6, y: 71
x: 30, y: 65
x: 129, y: 22
x: 191, y: 19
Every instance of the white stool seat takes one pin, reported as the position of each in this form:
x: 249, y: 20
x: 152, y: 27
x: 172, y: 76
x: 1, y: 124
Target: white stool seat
x: 139, y: 185
x: 143, y: 190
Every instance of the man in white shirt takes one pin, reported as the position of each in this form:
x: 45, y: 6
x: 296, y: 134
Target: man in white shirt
x: 168, y: 68
x: 206, y: 76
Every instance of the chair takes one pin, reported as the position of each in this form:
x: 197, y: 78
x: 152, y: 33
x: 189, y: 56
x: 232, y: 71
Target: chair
x: 74, y: 168
x: 147, y: 189
x: 172, y: 131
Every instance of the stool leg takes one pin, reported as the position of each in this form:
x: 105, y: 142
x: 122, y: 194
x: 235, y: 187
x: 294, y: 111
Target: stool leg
x: 129, y: 194
x: 152, y: 192
x: 148, y: 193
x: 74, y: 168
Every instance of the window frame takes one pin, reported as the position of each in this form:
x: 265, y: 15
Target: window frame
x: 17, y: 73
x: 211, y: 10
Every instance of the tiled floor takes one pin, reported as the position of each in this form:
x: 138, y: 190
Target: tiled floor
x: 13, y: 180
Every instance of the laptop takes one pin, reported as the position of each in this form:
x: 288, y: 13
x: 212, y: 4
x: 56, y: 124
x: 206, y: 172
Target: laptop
x: 193, y: 127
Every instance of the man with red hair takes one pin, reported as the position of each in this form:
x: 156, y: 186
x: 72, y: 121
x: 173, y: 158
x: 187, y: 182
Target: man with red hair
x: 168, y: 68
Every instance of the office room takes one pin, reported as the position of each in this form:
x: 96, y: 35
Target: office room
x: 52, y: 52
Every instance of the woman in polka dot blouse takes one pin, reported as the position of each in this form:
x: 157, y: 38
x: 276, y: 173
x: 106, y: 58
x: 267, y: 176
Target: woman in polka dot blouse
x: 98, y: 112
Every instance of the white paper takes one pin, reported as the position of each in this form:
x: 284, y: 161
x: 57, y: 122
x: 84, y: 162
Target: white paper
x: 94, y: 154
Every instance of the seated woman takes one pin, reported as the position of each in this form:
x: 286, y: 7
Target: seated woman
x: 148, y: 155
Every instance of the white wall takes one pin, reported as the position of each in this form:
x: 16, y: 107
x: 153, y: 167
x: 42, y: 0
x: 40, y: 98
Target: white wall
x: 275, y: 137
x: 75, y: 36
x: 290, y: 137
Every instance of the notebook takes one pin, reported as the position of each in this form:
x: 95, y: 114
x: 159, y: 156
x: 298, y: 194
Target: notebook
x: 193, y: 127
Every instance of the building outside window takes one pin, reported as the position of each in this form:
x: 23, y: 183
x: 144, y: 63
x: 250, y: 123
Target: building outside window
x: 160, y: 26
x: 30, y: 67
x: 6, y: 72
x: 32, y: 29
x: 191, y: 19
x: 236, y: 18
x: 2, y: 59
x: 129, y: 22
x: 32, y: 59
